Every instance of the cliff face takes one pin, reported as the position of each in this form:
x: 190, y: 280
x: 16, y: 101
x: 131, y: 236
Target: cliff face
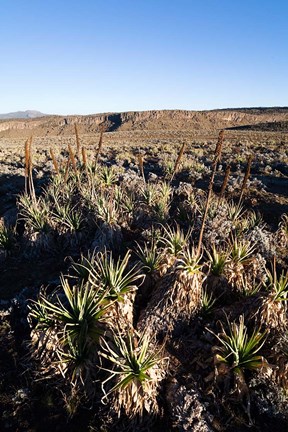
x: 143, y: 120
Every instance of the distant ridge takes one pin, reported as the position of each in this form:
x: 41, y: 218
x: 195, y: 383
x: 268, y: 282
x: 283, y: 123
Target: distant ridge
x: 263, y: 119
x: 28, y: 114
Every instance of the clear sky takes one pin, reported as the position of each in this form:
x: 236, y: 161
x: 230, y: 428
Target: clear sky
x: 90, y: 56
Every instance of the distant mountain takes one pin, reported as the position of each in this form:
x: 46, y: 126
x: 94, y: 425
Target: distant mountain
x: 29, y: 114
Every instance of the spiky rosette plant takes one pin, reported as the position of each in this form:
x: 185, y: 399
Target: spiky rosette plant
x: 125, y: 199
x: 245, y: 270
x: 238, y: 351
x: 82, y: 268
x: 69, y: 218
x: 235, y: 212
x: 176, y: 297
x: 135, y: 370
x: 218, y: 259
x: 207, y: 303
x: 150, y: 259
x: 107, y: 217
x: 273, y: 311
x: 66, y: 211
x: 148, y: 194
x: 190, y: 275
x: 66, y: 331
x: 118, y: 282
x: 283, y: 230
x: 249, y: 221
x: 35, y: 214
x: 162, y: 205
x: 174, y: 242
x: 149, y: 256
x: 7, y: 238
x: 239, y: 260
x: 108, y: 176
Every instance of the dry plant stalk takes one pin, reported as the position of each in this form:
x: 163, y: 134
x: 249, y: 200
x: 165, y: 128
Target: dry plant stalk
x: 72, y: 158
x: 29, y: 185
x: 141, y: 165
x: 84, y: 160
x: 99, y: 145
x: 27, y: 163
x: 67, y: 170
x: 247, y: 175
x: 55, y: 163
x: 77, y: 140
x: 217, y: 156
x: 84, y: 156
x: 225, y: 181
x: 178, y: 160
x: 274, y: 268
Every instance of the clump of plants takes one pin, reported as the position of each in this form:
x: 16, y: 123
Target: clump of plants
x: 151, y: 263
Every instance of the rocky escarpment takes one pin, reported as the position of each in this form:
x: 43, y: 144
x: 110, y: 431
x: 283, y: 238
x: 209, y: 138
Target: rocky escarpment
x: 143, y: 120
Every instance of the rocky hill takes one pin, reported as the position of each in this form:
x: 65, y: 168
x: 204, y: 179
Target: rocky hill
x: 143, y: 120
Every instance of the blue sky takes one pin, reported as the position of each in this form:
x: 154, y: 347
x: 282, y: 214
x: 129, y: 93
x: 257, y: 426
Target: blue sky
x: 83, y: 57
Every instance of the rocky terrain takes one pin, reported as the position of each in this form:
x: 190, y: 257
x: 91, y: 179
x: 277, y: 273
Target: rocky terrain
x: 136, y: 196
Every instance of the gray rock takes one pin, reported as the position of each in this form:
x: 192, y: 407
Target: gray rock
x: 152, y: 177
x: 186, y: 410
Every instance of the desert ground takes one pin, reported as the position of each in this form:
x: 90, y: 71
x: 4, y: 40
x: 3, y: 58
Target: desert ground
x: 143, y: 281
